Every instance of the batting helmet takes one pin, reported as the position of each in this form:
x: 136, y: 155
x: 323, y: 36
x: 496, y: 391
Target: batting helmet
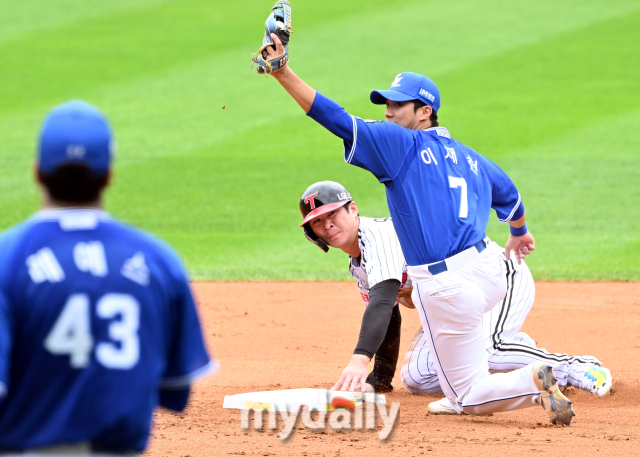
x: 320, y: 198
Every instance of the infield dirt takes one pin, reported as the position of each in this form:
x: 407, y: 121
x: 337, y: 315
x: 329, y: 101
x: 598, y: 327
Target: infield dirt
x: 270, y: 336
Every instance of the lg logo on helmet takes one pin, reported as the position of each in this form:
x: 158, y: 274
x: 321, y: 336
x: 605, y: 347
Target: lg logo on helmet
x: 343, y: 196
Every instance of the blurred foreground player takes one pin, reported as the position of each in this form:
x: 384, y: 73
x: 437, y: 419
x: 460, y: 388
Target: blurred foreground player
x: 97, y: 322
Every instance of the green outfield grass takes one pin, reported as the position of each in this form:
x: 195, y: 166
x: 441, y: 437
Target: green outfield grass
x: 548, y: 90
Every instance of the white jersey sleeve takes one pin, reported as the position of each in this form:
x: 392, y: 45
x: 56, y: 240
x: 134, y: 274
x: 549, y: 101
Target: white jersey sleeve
x: 380, y: 258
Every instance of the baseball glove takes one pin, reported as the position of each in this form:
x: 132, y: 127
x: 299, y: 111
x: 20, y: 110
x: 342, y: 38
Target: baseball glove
x: 278, y: 22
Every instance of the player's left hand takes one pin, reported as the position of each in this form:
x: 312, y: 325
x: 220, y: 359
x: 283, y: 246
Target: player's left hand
x: 273, y: 56
x: 354, y: 377
x: 522, y: 246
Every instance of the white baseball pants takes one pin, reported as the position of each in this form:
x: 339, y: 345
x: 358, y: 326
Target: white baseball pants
x: 451, y: 307
x: 507, y: 348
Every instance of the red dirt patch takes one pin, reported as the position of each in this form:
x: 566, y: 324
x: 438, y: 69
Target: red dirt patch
x: 270, y: 336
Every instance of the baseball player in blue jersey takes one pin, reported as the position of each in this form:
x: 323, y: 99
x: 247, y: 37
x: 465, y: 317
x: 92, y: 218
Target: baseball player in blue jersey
x: 376, y: 262
x: 440, y: 193
x: 98, y: 325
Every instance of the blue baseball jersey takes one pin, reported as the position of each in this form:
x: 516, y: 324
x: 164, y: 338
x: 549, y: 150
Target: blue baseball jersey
x: 439, y: 191
x: 96, y: 318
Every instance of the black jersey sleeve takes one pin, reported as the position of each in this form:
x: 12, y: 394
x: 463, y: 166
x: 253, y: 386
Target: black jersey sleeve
x: 377, y: 316
x: 386, y: 360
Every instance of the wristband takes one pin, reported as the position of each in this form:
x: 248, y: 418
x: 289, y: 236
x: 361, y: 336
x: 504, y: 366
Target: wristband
x: 518, y: 231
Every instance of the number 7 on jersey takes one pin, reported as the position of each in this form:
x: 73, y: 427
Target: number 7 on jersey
x: 454, y: 183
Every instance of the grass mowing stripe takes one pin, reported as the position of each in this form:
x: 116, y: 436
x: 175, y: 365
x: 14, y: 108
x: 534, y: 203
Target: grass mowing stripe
x: 57, y: 64
x: 179, y: 100
x: 68, y: 61
x: 24, y: 17
x: 217, y: 184
x: 257, y: 256
x: 583, y: 201
x: 546, y: 89
x: 433, y: 38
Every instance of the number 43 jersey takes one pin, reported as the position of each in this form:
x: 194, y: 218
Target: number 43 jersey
x: 95, y: 319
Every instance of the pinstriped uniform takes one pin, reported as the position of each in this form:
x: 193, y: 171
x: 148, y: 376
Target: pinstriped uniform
x: 508, y: 349
x: 381, y: 256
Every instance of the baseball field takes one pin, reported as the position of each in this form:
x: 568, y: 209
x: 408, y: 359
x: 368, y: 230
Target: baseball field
x: 213, y: 158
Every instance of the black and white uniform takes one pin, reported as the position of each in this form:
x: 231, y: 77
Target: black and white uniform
x: 380, y: 256
x: 508, y: 349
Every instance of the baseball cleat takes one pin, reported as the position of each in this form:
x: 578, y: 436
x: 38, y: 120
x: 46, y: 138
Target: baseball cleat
x: 442, y: 406
x: 598, y: 381
x: 557, y: 406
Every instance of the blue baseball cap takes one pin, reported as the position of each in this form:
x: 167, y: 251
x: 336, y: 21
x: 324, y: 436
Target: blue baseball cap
x: 409, y: 86
x: 75, y: 132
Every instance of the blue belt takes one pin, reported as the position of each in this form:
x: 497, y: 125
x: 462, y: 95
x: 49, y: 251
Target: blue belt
x: 441, y: 267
